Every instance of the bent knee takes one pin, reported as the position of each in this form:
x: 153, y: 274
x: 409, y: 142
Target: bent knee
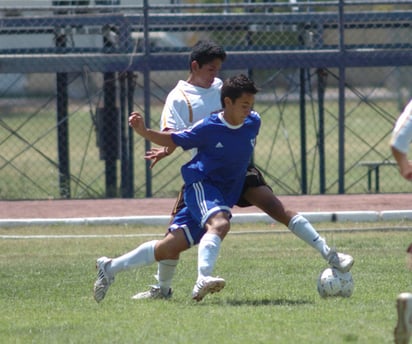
x: 219, y: 224
x: 170, y: 247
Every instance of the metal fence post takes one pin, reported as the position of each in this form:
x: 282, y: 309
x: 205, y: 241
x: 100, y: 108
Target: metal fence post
x: 146, y: 82
x: 131, y: 85
x: 341, y: 129
x: 62, y: 121
x: 322, y: 75
x: 110, y: 120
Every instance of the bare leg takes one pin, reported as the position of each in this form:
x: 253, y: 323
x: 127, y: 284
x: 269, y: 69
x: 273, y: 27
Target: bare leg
x: 266, y: 200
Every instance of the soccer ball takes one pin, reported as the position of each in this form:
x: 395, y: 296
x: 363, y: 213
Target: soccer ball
x: 332, y: 282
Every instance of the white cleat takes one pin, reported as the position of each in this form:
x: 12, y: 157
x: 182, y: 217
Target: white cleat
x: 153, y: 293
x: 341, y: 261
x: 103, y: 282
x: 403, y: 329
x: 207, y: 285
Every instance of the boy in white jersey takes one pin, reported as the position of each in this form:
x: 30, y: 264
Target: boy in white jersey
x: 190, y: 101
x: 400, y: 141
x: 401, y: 138
x: 213, y: 182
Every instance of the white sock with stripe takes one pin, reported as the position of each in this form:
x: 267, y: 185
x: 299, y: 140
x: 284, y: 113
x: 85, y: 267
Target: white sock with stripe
x: 141, y: 256
x: 302, y: 228
x: 165, y: 272
x: 208, y: 252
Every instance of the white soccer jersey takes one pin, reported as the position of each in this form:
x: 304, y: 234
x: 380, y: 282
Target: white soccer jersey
x: 186, y: 104
x: 402, y: 133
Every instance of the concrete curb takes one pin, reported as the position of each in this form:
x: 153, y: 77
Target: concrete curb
x: 163, y: 220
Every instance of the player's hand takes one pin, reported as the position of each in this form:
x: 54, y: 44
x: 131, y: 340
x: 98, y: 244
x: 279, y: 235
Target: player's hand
x: 136, y: 121
x: 156, y: 154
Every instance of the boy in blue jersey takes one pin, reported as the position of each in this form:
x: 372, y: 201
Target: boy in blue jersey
x: 213, y: 183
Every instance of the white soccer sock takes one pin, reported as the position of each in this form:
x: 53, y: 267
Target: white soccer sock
x: 165, y: 272
x: 140, y: 256
x: 302, y: 228
x: 208, y: 252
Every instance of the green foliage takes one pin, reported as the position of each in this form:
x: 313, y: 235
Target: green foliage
x: 270, y: 297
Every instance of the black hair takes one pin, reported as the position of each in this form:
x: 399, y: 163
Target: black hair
x: 235, y: 86
x: 206, y: 51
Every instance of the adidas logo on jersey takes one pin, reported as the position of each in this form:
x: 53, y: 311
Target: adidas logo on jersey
x: 219, y: 145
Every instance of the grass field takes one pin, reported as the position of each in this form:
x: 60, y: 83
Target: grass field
x: 270, y: 296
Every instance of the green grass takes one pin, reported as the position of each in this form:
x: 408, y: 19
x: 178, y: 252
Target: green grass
x: 270, y: 297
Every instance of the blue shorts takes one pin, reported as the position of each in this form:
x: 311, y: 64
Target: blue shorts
x: 254, y: 178
x: 202, y: 201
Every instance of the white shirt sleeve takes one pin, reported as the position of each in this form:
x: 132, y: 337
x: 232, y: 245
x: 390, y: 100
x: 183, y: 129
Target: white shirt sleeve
x: 174, y: 111
x: 402, y: 132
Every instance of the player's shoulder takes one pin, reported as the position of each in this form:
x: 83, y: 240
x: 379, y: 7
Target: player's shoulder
x: 408, y: 109
x: 207, y: 123
x: 215, y: 117
x: 254, y: 116
x: 217, y: 83
x: 201, y: 123
x: 181, y: 85
x: 176, y: 95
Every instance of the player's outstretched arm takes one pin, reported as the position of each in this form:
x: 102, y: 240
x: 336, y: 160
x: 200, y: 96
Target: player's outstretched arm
x: 136, y: 121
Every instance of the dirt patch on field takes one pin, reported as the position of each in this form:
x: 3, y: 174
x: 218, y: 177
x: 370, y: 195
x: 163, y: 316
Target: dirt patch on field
x: 163, y: 206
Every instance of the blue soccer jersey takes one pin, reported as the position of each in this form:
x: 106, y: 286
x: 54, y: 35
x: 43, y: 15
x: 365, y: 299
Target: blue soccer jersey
x: 223, y: 153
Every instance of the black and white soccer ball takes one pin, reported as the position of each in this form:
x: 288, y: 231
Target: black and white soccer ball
x: 332, y: 282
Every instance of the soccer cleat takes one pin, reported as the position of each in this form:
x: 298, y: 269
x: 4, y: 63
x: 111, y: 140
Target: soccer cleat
x: 102, y: 284
x: 403, y: 329
x: 207, y: 285
x: 153, y: 293
x: 341, y: 261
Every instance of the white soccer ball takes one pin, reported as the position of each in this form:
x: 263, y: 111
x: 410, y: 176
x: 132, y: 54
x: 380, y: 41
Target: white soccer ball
x: 332, y: 282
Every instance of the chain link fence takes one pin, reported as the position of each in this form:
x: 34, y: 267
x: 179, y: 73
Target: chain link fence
x: 333, y: 78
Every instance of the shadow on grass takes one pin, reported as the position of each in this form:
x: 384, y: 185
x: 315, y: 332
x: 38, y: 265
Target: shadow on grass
x: 266, y: 302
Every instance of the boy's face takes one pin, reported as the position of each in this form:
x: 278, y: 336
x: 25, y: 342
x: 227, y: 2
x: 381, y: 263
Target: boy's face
x: 204, y: 76
x: 237, y: 111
